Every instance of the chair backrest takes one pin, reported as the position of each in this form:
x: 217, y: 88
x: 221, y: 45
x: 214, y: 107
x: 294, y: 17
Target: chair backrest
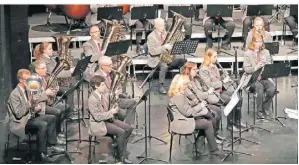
x: 169, y: 114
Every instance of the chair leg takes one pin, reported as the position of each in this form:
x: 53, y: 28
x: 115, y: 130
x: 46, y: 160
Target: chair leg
x: 170, y: 149
x: 94, y: 147
x: 18, y: 144
x: 89, y: 149
x: 196, y: 153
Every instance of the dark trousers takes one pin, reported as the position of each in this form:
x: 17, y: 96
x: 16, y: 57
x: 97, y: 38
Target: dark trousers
x: 216, y: 116
x: 176, y: 63
x: 226, y: 96
x: 122, y: 131
x: 59, y: 112
x: 206, y: 125
x: 292, y: 23
x: 140, y: 24
x: 262, y: 87
x: 208, y: 28
x: 127, y: 110
x: 46, y: 130
x: 247, y: 25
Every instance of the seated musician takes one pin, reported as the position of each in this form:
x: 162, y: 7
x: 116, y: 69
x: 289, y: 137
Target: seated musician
x: 140, y: 24
x: 187, y: 22
x: 247, y: 24
x: 254, y: 58
x: 258, y: 27
x: 19, y: 104
x: 98, y: 103
x: 196, y: 93
x: 156, y: 47
x: 127, y: 105
x: 224, y: 88
x: 44, y: 52
x: 188, y: 117
x: 226, y: 22
x: 59, y: 109
x: 292, y: 22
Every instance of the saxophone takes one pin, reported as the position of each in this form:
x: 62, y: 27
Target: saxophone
x: 175, y: 34
x: 64, y: 63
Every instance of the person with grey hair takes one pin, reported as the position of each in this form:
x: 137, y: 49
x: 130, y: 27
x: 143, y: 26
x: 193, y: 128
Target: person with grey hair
x: 155, y: 49
x: 126, y: 104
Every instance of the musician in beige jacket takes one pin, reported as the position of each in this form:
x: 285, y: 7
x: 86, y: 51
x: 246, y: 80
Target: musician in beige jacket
x: 258, y: 27
x: 224, y: 87
x: 196, y: 94
x: 156, y: 47
x: 187, y: 118
x: 100, y: 114
x: 254, y: 58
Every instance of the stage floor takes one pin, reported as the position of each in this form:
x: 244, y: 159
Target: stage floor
x: 280, y: 146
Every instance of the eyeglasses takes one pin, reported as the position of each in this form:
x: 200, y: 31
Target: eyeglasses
x: 42, y: 68
x: 95, y: 31
x: 110, y: 65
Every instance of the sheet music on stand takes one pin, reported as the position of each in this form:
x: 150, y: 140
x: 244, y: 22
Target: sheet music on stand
x: 110, y: 13
x: 184, y: 47
x: 186, y: 11
x: 292, y: 113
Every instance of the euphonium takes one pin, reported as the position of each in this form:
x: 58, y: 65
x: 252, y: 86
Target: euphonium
x: 112, y: 33
x: 175, y: 34
x: 64, y: 63
x: 33, y: 85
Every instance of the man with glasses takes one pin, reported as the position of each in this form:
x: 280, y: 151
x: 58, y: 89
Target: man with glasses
x: 93, y: 48
x: 126, y: 112
x: 19, y: 104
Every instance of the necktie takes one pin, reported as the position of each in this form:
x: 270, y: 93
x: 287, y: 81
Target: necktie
x: 44, y: 83
x: 258, y: 61
x: 161, y: 37
x: 104, y: 103
x: 99, y: 46
x: 26, y: 95
x: 108, y: 80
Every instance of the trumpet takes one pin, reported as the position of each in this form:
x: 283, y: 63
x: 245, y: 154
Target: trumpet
x: 34, y: 85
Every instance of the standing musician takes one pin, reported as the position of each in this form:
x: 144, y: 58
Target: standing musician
x: 19, y: 105
x: 59, y: 109
x: 254, y: 58
x: 187, y: 23
x: 225, y: 22
x: 99, y: 126
x: 155, y: 49
x: 196, y: 94
x: 224, y: 88
x: 127, y: 105
x: 93, y: 48
x: 247, y: 23
x: 140, y: 24
x: 188, y: 117
x: 258, y: 27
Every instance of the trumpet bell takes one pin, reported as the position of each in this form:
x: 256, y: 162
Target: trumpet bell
x: 33, y: 83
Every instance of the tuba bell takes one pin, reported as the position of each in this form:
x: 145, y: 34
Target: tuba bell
x: 175, y: 34
x: 33, y: 85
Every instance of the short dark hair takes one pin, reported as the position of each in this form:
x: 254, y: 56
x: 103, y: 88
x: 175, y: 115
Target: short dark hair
x: 94, y: 25
x: 96, y: 81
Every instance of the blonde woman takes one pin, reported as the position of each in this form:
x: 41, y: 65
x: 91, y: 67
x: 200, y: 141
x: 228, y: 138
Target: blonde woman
x: 188, y: 118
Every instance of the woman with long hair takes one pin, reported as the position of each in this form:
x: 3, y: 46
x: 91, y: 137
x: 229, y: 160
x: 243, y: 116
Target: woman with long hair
x: 196, y: 93
x: 187, y: 117
x: 224, y: 87
x: 255, y: 58
x: 258, y: 27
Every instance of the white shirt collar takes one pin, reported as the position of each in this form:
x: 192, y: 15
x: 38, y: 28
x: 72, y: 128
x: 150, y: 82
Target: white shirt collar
x: 98, y: 94
x: 105, y: 74
x: 47, y: 57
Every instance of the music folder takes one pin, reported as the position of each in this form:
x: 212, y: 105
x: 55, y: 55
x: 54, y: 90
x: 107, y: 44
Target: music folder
x: 110, y: 13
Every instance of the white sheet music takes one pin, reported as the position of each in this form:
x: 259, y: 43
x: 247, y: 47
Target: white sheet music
x: 292, y: 113
x: 232, y: 103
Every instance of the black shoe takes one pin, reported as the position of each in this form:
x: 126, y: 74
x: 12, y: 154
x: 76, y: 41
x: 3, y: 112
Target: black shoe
x: 219, y: 137
x: 260, y: 115
x: 45, y: 158
x: 127, y: 161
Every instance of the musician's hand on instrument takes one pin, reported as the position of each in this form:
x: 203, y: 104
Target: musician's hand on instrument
x: 259, y: 65
x: 168, y: 46
x: 38, y: 108
x: 118, y: 91
x: 72, y: 69
x: 115, y: 110
x: 203, y: 103
x: 49, y: 92
x: 226, y: 79
x: 211, y: 90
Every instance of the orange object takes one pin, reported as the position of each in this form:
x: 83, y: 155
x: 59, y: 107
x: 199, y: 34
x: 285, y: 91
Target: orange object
x: 75, y: 11
x: 126, y: 8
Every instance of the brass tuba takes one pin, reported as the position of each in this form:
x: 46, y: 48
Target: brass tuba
x: 34, y: 85
x: 112, y: 33
x: 175, y: 34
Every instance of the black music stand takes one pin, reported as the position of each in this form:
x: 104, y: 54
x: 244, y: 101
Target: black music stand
x: 111, y: 13
x: 217, y: 12
x: 144, y: 97
x: 258, y: 10
x: 143, y: 13
x: 232, y: 152
x: 274, y: 71
x: 273, y: 47
x: 184, y: 47
x: 117, y: 48
x: 253, y: 79
x: 186, y: 11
